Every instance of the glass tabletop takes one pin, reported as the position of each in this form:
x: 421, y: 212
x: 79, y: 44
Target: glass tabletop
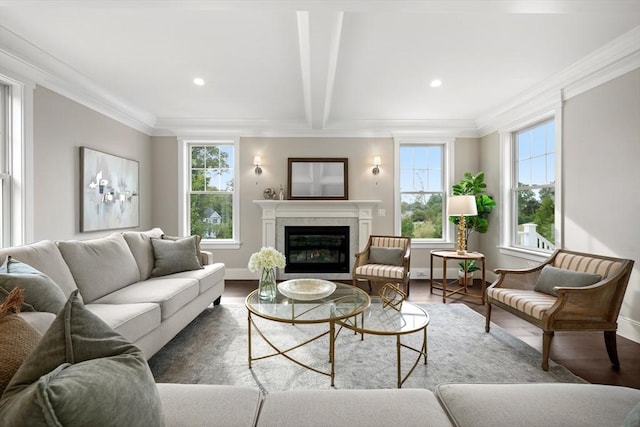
x: 345, y: 301
x: 380, y: 320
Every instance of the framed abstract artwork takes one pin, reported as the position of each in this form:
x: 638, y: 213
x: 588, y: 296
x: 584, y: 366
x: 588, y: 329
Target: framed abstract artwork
x: 109, y: 191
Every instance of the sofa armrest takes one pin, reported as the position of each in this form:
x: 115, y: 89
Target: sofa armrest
x: 555, y: 404
x: 596, y: 299
x: 206, y: 257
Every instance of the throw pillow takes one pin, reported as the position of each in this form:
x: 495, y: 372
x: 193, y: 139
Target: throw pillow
x: 387, y: 256
x: 174, y: 256
x: 17, y: 338
x: 82, y: 373
x: 100, y: 266
x: 198, y: 240
x: 551, y: 277
x: 40, y: 292
x: 633, y: 418
x: 140, y: 245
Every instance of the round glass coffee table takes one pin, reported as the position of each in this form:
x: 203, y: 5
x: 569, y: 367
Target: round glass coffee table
x: 301, y: 307
x: 380, y: 320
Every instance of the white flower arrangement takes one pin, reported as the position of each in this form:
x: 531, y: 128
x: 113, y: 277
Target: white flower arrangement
x: 267, y: 258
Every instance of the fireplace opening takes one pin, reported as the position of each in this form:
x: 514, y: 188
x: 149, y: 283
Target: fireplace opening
x: 316, y: 249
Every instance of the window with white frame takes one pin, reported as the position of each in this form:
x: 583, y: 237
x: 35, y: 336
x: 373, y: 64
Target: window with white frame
x: 5, y: 144
x: 534, y: 187
x: 212, y: 191
x: 423, y: 181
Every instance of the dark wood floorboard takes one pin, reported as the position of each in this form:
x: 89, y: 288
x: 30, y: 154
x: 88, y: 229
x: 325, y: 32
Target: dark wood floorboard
x: 583, y: 353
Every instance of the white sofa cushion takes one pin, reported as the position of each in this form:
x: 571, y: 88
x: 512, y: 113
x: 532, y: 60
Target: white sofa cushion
x: 385, y: 407
x: 515, y: 405
x: 132, y: 321
x: 140, y: 245
x: 169, y: 292
x: 45, y: 257
x: 100, y: 266
x: 208, y: 276
x: 196, y: 405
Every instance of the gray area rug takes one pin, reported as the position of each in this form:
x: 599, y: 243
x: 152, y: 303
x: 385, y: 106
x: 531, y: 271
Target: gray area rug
x: 213, y: 350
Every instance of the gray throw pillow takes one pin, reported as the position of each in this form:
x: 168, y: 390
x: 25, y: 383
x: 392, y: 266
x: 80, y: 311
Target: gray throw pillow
x: 551, y: 277
x: 633, y: 418
x: 40, y: 292
x: 387, y: 256
x: 174, y: 256
x: 198, y: 240
x: 82, y: 373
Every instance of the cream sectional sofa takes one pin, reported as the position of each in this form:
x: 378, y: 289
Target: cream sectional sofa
x: 113, y: 276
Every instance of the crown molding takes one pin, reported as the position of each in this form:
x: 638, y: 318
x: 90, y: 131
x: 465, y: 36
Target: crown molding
x: 343, y: 128
x: 612, y: 60
x: 48, y: 71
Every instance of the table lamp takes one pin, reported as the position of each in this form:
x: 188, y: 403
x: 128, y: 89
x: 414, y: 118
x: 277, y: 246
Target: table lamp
x: 461, y: 206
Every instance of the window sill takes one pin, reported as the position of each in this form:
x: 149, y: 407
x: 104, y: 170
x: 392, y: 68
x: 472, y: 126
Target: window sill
x: 527, y: 254
x: 436, y: 244
x: 225, y: 244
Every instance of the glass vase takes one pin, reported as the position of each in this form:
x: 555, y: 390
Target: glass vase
x: 267, y: 284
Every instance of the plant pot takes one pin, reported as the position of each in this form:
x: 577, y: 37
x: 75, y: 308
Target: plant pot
x: 465, y: 278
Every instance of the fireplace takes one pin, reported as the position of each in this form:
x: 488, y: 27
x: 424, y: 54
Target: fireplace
x: 316, y: 249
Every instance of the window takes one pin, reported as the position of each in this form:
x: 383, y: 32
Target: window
x: 5, y: 143
x: 423, y: 180
x: 16, y: 192
x: 533, y: 187
x: 211, y: 196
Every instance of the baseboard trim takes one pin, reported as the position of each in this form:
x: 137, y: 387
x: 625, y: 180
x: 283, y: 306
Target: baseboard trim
x: 629, y: 328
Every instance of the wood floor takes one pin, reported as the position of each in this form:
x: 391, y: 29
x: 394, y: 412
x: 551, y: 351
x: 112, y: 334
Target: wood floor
x: 583, y: 353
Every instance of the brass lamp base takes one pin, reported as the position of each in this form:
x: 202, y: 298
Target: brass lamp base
x: 462, y: 244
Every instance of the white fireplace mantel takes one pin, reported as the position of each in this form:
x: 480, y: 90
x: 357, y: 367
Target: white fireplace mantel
x: 274, y: 209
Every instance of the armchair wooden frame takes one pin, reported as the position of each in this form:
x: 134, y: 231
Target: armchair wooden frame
x: 590, y: 308
x: 362, y: 259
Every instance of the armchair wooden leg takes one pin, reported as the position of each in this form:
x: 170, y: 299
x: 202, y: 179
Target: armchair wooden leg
x: 487, y: 317
x: 370, y: 288
x: 612, y: 348
x: 546, y: 346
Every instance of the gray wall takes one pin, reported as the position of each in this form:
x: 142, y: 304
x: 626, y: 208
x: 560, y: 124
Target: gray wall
x: 600, y: 177
x: 61, y: 126
x: 601, y: 138
x: 363, y: 185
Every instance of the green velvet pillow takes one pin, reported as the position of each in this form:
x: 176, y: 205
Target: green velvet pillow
x: 551, y: 277
x: 82, y: 373
x: 387, y: 256
x: 174, y: 256
x: 40, y: 292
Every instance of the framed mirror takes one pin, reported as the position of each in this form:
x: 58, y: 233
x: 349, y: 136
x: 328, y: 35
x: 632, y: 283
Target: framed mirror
x: 318, y: 178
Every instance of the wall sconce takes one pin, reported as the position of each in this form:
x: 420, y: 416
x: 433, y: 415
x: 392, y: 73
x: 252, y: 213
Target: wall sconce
x: 376, y: 165
x: 257, y: 162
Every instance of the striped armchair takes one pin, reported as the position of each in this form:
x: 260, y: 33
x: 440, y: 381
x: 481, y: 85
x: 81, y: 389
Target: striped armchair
x: 384, y: 259
x: 593, y: 307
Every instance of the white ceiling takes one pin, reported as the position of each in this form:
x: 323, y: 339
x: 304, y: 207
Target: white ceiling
x: 309, y: 67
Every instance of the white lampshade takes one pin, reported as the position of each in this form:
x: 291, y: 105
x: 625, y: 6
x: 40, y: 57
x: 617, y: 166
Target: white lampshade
x: 461, y: 206
x: 257, y: 161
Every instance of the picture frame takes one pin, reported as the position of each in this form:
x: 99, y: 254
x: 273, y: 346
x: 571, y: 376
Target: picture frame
x: 109, y: 191
x: 318, y: 178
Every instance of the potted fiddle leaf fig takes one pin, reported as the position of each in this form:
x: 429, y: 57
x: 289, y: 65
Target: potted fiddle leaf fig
x: 474, y: 185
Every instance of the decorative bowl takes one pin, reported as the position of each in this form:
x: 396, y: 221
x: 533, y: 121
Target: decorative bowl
x: 306, y: 289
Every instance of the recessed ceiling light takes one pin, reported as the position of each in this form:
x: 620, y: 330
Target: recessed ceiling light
x: 198, y: 81
x: 436, y: 83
